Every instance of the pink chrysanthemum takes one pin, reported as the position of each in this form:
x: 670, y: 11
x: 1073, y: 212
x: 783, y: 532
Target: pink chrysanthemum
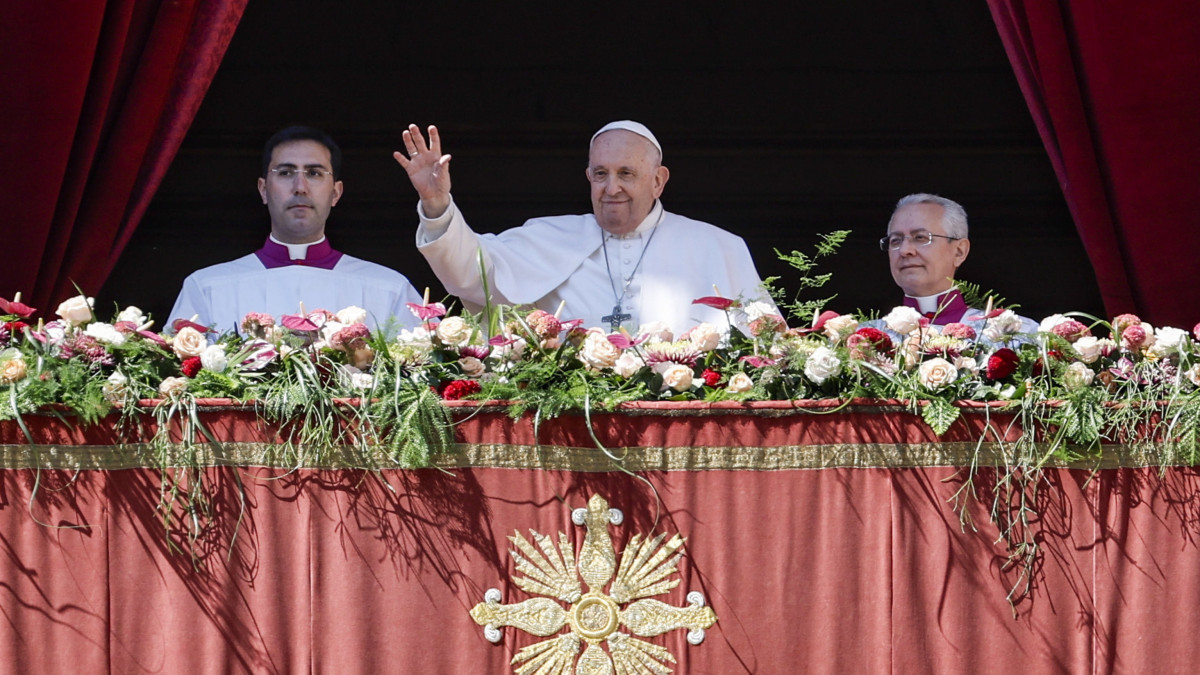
x: 1120, y: 323
x: 543, y: 324
x: 351, y: 338
x: 959, y: 330
x: 675, y: 352
x: 1070, y: 330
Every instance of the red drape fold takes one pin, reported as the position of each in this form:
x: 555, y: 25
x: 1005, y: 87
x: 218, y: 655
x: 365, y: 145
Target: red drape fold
x: 1112, y: 88
x: 97, y: 107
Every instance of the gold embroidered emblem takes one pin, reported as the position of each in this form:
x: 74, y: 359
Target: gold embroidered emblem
x: 594, y: 617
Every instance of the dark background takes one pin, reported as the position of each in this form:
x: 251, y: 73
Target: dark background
x: 778, y: 123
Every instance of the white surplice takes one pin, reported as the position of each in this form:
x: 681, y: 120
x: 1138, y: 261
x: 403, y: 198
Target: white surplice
x: 561, y: 259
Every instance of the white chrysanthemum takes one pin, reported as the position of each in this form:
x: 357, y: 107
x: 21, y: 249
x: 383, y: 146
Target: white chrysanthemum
x: 105, y: 332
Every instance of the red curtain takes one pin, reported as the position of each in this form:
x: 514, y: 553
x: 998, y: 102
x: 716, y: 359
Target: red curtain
x: 1114, y: 88
x: 98, y: 98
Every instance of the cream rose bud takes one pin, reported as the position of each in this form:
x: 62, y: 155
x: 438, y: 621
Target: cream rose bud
x: 105, y: 332
x: 628, y: 363
x: 189, y: 342
x: 740, y: 383
x: 114, y: 387
x: 1193, y: 375
x: 12, y: 367
x: 454, y: 331
x: 704, y: 337
x: 998, y: 328
x: 1047, y: 325
x: 133, y: 315
x: 822, y: 364
x: 677, y: 376
x: 758, y: 309
x: 657, y: 331
x: 937, y: 373
x: 1077, y: 376
x: 351, y: 315
x: 597, y: 352
x: 214, y: 358
x: 839, y: 327
x: 966, y: 364
x: 77, y: 310
x: 173, y: 386
x: 471, y: 366
x: 1089, y: 348
x: 903, y: 320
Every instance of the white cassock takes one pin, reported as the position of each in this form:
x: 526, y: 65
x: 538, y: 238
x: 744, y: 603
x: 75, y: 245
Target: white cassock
x: 222, y: 294
x: 651, y: 274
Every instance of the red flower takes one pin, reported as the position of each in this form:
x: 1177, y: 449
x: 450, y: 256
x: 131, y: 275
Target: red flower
x: 878, y: 341
x: 16, y: 307
x: 711, y: 377
x: 714, y: 301
x: 458, y: 389
x: 1001, y: 364
x: 191, y: 366
x: 15, y: 327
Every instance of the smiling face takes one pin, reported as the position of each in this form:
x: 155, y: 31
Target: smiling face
x: 626, y: 179
x: 299, y: 205
x: 924, y: 270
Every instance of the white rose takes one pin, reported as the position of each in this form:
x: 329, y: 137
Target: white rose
x: 903, y: 320
x: 739, y: 383
x: 328, y: 329
x: 1167, y: 341
x: 512, y: 351
x: 173, y: 386
x: 628, y: 364
x: 597, y: 352
x: 1077, y: 376
x: 350, y: 315
x: 132, y: 315
x: 675, y: 375
x: 1193, y: 375
x: 822, y: 364
x: 839, y: 327
x: 1047, y: 325
x: 999, y: 327
x: 758, y: 309
x: 189, y: 342
x: 657, y: 332
x: 1089, y: 348
x: 967, y: 364
x: 937, y: 373
x: 471, y: 366
x: 106, y: 333
x: 454, y: 331
x: 704, y: 337
x: 77, y: 310
x: 214, y: 358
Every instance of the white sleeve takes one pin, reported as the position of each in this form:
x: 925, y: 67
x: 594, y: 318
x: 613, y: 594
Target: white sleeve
x: 193, y: 300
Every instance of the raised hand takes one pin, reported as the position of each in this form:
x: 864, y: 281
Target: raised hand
x: 428, y: 169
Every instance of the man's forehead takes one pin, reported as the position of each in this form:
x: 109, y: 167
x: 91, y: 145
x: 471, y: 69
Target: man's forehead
x: 302, y: 152
x: 620, y: 147
x: 917, y: 217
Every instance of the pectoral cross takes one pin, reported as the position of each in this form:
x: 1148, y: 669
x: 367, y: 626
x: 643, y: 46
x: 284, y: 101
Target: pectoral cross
x: 614, y: 320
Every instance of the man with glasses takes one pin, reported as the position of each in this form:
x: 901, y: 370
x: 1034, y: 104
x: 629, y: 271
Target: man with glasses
x: 927, y: 240
x: 628, y: 263
x: 299, y: 184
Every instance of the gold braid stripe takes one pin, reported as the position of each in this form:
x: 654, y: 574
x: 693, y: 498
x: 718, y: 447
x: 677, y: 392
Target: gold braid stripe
x: 509, y: 456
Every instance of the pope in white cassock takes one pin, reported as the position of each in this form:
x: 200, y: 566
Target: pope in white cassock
x: 628, y: 263
x: 299, y: 185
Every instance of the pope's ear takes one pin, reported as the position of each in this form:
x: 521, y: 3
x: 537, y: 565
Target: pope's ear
x: 661, y: 176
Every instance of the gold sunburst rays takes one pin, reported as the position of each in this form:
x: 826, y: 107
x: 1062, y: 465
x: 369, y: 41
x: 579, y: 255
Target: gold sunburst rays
x: 594, y: 618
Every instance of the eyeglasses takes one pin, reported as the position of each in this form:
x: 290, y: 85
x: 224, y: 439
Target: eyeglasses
x: 895, y: 241
x: 311, y: 173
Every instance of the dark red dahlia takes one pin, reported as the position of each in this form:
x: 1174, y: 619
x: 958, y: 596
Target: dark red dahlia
x: 1001, y: 364
x: 191, y: 366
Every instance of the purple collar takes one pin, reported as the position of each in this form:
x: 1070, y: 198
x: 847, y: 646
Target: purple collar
x: 951, y: 306
x: 320, y: 255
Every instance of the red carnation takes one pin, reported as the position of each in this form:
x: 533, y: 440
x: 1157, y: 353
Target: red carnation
x: 711, y: 377
x: 458, y: 389
x: 191, y: 366
x: 1120, y: 323
x: 873, y: 338
x: 544, y: 324
x: 15, y: 327
x: 1001, y: 364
